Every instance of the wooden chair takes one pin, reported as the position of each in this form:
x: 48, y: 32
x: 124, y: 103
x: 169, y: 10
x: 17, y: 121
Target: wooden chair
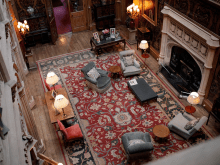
x: 71, y: 133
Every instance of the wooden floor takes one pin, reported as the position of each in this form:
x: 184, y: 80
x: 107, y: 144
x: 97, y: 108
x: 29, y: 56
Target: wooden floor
x: 68, y: 43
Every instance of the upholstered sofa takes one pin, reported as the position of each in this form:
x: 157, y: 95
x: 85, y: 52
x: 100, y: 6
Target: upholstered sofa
x: 129, y: 70
x: 178, y: 123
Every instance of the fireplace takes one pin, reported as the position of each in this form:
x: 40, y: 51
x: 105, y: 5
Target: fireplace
x: 183, y: 73
x: 186, y: 54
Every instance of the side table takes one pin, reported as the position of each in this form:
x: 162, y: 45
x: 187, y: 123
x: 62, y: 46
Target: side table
x: 115, y: 70
x: 190, y: 109
x: 161, y: 131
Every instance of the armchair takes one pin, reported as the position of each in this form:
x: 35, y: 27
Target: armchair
x: 102, y: 83
x: 138, y: 150
x: 71, y: 133
x: 178, y: 123
x: 129, y: 70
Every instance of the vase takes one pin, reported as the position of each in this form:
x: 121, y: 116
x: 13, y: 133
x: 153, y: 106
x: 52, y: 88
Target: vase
x: 104, y: 2
x: 30, y: 10
x: 132, y: 24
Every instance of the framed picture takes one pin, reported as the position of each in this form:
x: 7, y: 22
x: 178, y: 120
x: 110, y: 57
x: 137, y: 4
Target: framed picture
x: 96, y: 36
x: 112, y: 32
x: 149, y: 11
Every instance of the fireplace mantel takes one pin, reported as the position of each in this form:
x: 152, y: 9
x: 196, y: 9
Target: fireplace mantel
x: 178, y: 30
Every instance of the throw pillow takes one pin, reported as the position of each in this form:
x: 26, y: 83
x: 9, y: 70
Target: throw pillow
x: 93, y: 73
x: 191, y: 124
x: 135, y: 141
x: 128, y: 60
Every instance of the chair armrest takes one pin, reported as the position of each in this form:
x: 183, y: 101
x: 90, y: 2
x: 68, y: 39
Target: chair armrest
x: 122, y: 65
x: 188, y: 116
x: 91, y: 79
x: 137, y: 148
x: 125, y: 141
x: 147, y: 137
x: 136, y: 64
x: 177, y: 129
x: 200, y: 123
x: 102, y: 72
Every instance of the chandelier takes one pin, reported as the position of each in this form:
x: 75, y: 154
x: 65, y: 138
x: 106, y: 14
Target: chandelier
x: 23, y: 27
x: 133, y: 11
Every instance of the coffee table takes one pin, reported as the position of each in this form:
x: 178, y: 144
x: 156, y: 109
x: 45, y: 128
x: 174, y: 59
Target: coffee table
x: 105, y: 43
x: 115, y: 70
x: 142, y: 90
x: 161, y: 131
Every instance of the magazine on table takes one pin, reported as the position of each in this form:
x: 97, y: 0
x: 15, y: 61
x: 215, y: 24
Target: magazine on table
x: 133, y: 82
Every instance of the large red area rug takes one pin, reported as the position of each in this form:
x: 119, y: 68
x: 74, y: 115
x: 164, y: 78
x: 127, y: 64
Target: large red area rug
x: 104, y: 118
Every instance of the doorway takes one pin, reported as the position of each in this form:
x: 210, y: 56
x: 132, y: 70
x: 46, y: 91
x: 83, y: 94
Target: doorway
x: 62, y: 16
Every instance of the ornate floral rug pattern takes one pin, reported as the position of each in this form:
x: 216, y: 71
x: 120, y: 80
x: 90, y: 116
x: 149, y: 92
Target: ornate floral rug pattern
x: 104, y: 118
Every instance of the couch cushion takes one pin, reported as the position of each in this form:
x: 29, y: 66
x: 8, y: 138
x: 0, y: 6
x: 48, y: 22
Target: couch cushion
x: 135, y: 141
x: 148, y: 146
x: 191, y: 124
x: 74, y: 132
x: 128, y: 60
x: 102, y: 81
x: 93, y: 73
x: 62, y: 128
x: 131, y: 69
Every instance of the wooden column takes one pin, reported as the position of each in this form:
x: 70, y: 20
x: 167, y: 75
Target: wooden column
x: 118, y: 11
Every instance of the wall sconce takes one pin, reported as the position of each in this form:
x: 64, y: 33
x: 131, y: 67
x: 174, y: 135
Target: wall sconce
x: 23, y: 28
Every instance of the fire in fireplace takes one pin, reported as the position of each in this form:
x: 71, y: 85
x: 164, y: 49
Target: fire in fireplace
x: 183, y: 73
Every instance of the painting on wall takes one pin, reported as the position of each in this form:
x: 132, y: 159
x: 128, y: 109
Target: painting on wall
x: 150, y: 11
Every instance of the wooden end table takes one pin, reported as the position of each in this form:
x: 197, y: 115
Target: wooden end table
x: 161, y: 131
x: 115, y: 71
x: 190, y: 109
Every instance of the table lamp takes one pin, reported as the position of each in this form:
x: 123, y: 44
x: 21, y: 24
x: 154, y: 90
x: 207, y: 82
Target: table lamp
x: 60, y: 103
x: 52, y: 79
x: 193, y: 98
x: 144, y: 45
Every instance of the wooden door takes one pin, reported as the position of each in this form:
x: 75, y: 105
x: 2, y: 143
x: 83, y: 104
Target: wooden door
x: 51, y: 20
x: 78, y: 15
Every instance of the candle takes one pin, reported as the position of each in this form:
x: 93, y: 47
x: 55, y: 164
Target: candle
x: 138, y: 10
x: 130, y: 10
x: 18, y: 26
x: 25, y: 22
x: 135, y: 9
x: 27, y: 27
x: 22, y: 29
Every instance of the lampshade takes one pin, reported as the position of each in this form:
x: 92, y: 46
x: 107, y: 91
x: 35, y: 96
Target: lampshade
x: 143, y: 44
x: 52, y: 78
x: 60, y: 102
x: 193, y: 98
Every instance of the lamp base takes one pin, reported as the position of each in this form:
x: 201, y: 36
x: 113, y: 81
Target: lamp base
x: 190, y: 109
x: 145, y: 55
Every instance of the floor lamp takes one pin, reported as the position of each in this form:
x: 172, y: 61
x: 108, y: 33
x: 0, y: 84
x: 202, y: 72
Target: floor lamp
x: 60, y: 103
x: 193, y: 99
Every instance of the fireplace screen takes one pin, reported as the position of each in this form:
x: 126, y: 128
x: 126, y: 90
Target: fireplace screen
x: 183, y: 73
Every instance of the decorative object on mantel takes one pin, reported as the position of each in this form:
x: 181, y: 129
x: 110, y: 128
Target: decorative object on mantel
x: 3, y: 129
x: 133, y: 12
x: 104, y: 2
x: 30, y: 10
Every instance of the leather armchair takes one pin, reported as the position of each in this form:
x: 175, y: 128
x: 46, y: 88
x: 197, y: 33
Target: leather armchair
x: 102, y: 83
x: 129, y: 70
x: 178, y: 123
x: 138, y: 150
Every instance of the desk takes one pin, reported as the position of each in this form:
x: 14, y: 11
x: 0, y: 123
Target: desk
x: 68, y: 110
